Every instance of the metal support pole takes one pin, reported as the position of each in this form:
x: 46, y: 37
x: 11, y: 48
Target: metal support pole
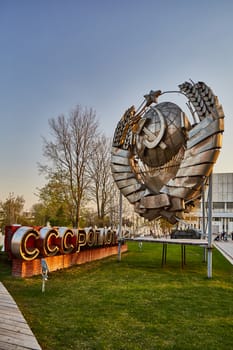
x: 203, y: 210
x: 203, y: 220
x: 209, y: 257
x: 164, y: 254
x: 183, y: 255
x: 120, y: 227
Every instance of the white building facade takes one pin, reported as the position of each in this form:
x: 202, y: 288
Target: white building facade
x: 222, y: 198
x: 222, y: 206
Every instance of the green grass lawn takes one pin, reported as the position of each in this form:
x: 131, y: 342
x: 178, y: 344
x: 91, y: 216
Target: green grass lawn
x: 133, y: 304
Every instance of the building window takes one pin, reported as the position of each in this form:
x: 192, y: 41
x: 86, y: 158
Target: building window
x: 218, y: 205
x: 216, y: 219
x: 229, y: 205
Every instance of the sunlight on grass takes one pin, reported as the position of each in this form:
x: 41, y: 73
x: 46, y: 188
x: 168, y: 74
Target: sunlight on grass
x: 133, y: 304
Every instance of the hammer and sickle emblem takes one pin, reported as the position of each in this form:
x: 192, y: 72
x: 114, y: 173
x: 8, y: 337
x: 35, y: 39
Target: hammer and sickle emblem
x: 153, y: 140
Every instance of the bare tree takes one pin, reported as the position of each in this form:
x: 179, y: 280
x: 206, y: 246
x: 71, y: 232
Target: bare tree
x: 70, y: 152
x: 114, y: 209
x: 101, y: 179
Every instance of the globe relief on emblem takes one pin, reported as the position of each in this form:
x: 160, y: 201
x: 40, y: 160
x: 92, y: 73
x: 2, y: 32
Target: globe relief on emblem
x: 160, y: 159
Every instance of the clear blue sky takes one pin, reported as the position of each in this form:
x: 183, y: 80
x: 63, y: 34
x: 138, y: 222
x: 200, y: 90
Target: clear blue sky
x: 104, y: 54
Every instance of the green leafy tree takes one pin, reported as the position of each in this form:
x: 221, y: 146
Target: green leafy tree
x: 40, y: 214
x: 53, y: 206
x: 12, y: 209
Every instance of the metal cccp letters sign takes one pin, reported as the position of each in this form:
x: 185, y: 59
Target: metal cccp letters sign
x: 28, y: 243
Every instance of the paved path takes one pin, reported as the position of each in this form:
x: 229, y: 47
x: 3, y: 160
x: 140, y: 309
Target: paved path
x: 226, y: 248
x: 15, y: 333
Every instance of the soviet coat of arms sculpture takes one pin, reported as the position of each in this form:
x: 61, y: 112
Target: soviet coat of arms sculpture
x: 160, y: 160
